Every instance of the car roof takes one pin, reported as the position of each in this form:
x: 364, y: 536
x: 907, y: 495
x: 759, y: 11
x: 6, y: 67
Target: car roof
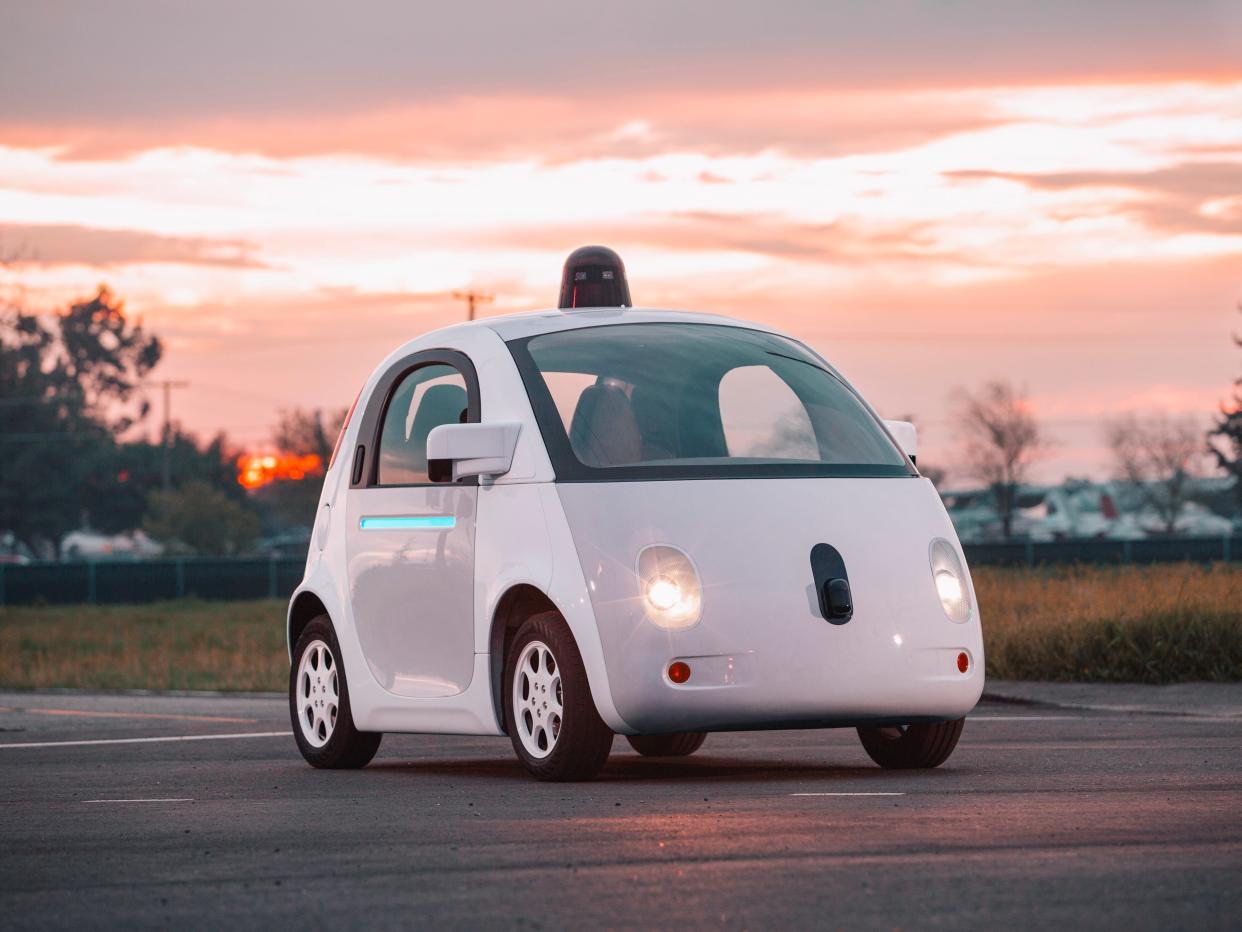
x: 515, y: 326
x: 533, y: 323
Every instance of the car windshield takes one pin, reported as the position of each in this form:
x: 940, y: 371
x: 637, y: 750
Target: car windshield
x: 673, y: 400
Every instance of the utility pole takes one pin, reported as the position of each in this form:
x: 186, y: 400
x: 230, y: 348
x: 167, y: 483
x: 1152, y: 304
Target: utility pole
x: 473, y: 298
x: 168, y: 385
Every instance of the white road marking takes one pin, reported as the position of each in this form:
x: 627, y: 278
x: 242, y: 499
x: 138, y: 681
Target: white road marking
x: 847, y: 794
x: 179, y: 799
x: 180, y: 718
x: 73, y: 744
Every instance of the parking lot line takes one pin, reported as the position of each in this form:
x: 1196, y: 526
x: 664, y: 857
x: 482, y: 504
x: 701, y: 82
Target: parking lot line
x: 179, y: 799
x: 71, y: 744
x: 180, y: 718
x: 847, y: 794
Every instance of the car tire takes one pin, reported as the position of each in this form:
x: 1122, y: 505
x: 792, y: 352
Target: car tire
x: 911, y: 747
x: 678, y: 744
x: 550, y: 716
x: 323, y: 723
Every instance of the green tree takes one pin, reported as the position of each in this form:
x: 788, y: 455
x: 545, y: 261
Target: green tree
x: 1227, y: 451
x: 120, y: 488
x: 102, y: 357
x: 202, y: 519
x: 69, y: 384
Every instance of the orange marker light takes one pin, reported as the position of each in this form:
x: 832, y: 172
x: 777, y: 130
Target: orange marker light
x: 679, y: 672
x: 963, y: 662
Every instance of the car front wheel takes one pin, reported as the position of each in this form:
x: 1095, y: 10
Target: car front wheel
x: 911, y: 747
x: 549, y: 713
x: 323, y: 724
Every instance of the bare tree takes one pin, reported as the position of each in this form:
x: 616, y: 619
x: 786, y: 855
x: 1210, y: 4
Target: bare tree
x: 1158, y: 455
x: 302, y: 432
x: 12, y: 294
x: 1000, y: 440
x: 1228, y: 427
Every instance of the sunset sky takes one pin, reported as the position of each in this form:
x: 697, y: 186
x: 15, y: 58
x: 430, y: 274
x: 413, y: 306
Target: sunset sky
x: 930, y: 193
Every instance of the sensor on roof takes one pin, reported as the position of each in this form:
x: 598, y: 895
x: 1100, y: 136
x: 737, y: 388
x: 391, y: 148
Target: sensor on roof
x: 594, y: 276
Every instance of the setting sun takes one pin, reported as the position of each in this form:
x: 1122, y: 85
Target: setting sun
x: 257, y: 470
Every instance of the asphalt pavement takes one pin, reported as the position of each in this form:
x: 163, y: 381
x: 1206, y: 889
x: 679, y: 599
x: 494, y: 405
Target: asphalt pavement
x: 197, y: 812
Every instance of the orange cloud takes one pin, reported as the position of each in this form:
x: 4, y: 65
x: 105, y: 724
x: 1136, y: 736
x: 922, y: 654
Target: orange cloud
x: 548, y: 128
x: 66, y: 244
x: 1169, y: 199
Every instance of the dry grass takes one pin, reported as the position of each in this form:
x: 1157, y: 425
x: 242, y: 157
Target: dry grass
x: 1156, y: 624
x: 1135, y: 624
x: 166, y: 645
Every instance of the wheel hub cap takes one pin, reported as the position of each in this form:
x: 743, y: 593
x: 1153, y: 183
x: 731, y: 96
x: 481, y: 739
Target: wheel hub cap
x: 537, y: 699
x: 318, y: 693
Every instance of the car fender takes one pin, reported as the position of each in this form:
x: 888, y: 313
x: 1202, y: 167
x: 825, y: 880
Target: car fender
x: 568, y: 591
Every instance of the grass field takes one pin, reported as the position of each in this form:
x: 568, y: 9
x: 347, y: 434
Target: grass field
x: 1155, y: 624
x: 165, y: 645
x: 1151, y: 624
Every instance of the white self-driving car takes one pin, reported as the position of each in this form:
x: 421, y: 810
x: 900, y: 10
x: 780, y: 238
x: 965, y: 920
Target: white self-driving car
x: 578, y: 522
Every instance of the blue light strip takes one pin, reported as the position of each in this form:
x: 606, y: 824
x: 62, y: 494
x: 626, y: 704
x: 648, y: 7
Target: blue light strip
x: 408, y: 522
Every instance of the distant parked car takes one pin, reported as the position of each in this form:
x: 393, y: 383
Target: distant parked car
x: 573, y: 523
x: 1193, y: 520
x: 92, y: 545
x: 285, y: 546
x: 13, y: 551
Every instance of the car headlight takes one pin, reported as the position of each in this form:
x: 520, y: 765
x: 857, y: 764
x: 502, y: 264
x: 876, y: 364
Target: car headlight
x: 949, y: 576
x: 670, y: 587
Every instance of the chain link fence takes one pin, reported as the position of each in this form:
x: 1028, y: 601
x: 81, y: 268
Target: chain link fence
x: 250, y: 578
x: 149, y: 581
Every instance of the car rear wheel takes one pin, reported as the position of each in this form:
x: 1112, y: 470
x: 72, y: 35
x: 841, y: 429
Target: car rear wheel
x: 911, y: 747
x: 549, y: 713
x: 678, y: 744
x: 323, y: 724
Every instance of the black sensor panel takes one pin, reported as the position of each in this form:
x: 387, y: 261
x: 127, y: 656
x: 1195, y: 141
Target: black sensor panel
x: 832, y: 584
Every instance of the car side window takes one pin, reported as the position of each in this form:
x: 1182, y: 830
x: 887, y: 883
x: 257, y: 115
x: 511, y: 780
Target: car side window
x: 423, y: 400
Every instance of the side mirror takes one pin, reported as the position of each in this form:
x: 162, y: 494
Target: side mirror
x: 456, y: 451
x: 906, y: 435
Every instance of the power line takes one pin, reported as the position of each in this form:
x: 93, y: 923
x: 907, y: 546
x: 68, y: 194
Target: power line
x: 244, y: 393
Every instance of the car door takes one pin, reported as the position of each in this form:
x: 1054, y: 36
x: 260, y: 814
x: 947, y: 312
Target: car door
x: 410, y: 541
